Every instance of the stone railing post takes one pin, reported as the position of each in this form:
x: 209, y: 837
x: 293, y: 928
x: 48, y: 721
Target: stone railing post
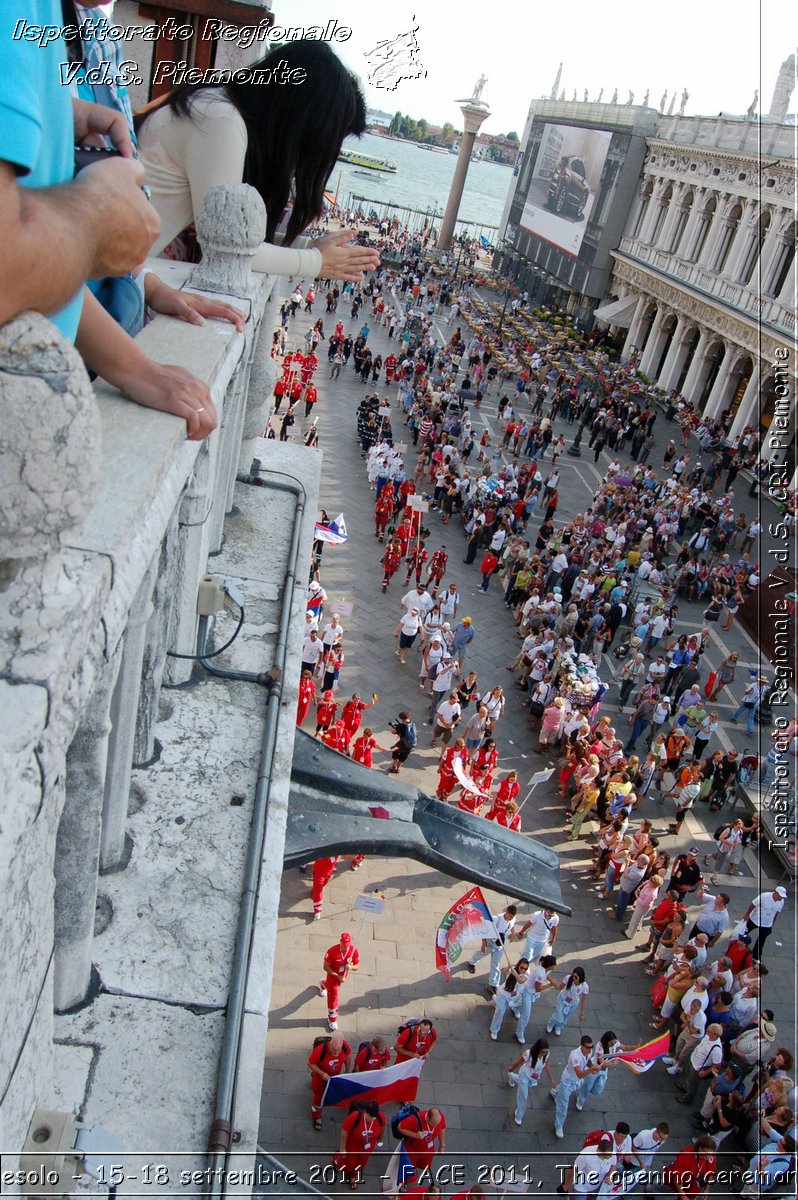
x: 77, y: 844
x: 230, y: 227
x: 124, y: 704
x: 262, y: 379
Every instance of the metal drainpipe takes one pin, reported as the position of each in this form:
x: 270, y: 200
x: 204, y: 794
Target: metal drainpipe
x: 221, y: 1130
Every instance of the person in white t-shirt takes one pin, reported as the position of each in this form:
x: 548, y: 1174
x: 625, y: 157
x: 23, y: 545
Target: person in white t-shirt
x: 418, y: 597
x: 761, y: 916
x: 580, y: 1065
x: 536, y: 983
x: 541, y: 933
x: 590, y: 1169
x: 526, y: 1072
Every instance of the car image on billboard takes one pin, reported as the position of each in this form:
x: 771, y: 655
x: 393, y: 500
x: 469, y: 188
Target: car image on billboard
x: 564, y: 183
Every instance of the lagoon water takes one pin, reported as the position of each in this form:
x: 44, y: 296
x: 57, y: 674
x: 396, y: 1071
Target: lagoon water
x: 423, y: 181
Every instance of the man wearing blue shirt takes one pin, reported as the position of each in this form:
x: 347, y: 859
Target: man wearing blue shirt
x: 59, y: 232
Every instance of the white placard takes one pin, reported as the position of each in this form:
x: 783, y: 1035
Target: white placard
x: 369, y: 902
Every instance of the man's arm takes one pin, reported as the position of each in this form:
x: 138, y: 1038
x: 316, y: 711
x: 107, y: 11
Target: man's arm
x: 101, y: 224
x: 114, y: 356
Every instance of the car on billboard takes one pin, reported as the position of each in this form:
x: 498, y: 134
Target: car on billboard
x: 569, y: 188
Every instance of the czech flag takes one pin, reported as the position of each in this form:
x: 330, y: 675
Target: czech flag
x: 397, y: 1084
x: 334, y: 533
x: 643, y: 1058
x: 468, y: 920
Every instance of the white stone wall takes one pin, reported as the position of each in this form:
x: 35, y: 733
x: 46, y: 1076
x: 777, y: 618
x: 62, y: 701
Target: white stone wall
x: 100, y: 554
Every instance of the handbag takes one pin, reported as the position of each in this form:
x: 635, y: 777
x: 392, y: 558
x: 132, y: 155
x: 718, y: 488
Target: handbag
x: 536, y: 708
x: 710, y: 684
x: 659, y: 990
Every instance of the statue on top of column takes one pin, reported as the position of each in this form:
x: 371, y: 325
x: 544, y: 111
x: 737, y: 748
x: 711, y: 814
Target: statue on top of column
x: 553, y: 93
x: 645, y: 98
x: 631, y: 99
x: 478, y: 86
x: 600, y: 96
x: 614, y: 97
x: 751, y: 110
x: 683, y: 103
x: 670, y: 106
x: 584, y: 98
x: 663, y: 101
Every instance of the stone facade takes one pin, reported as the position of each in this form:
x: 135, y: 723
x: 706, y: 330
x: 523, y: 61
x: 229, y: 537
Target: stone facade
x: 709, y: 252
x: 127, y: 774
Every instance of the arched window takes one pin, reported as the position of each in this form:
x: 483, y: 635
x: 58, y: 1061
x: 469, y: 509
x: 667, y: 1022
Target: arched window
x: 753, y: 248
x: 731, y: 224
x: 782, y: 262
x: 702, y: 228
x: 645, y: 200
x: 680, y: 222
x: 664, y: 205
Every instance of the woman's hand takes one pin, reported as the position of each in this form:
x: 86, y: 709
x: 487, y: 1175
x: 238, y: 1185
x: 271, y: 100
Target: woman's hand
x: 340, y: 259
x: 172, y: 390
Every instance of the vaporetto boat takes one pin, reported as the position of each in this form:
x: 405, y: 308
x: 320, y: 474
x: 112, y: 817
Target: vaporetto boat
x: 356, y: 158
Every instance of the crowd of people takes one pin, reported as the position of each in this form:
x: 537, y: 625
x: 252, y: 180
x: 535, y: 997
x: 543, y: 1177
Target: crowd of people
x: 608, y: 580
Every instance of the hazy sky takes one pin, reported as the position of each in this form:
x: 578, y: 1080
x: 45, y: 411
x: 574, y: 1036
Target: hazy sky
x: 719, y: 52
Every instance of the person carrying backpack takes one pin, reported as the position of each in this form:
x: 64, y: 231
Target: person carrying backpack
x: 415, y: 1040
x: 361, y: 1133
x: 406, y: 740
x: 328, y: 1057
x: 419, y: 1133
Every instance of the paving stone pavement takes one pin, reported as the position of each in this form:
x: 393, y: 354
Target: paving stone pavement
x: 397, y: 978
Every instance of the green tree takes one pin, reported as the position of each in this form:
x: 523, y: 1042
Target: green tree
x: 512, y: 136
x: 395, y: 123
x: 422, y: 128
x: 447, y: 132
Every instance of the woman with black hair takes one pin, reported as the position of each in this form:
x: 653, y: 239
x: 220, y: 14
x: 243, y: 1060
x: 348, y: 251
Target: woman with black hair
x: 280, y: 131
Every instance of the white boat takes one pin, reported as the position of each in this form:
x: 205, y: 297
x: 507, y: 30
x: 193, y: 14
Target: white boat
x: 356, y: 158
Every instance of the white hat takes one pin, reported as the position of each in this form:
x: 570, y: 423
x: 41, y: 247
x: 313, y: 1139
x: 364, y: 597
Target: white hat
x: 782, y: 892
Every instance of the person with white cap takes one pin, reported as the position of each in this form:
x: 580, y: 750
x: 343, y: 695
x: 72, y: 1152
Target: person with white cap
x: 761, y: 915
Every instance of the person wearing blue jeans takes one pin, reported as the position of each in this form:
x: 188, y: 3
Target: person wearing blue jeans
x: 631, y: 878
x: 514, y: 977
x: 541, y: 933
x: 573, y: 991
x: 525, y: 1073
x: 752, y: 697
x: 536, y: 982
x: 580, y: 1066
x: 494, y: 946
x: 594, y: 1085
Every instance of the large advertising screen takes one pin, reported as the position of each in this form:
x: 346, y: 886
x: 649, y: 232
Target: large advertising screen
x: 564, y: 184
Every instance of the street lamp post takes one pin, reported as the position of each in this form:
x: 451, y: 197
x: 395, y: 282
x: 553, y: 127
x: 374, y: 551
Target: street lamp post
x: 574, y: 449
x: 507, y: 294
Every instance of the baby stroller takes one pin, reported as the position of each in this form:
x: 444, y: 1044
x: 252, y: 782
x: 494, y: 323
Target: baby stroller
x: 748, y: 764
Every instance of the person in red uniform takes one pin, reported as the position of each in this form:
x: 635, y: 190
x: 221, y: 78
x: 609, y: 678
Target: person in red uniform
x: 338, y: 962
x: 402, y: 536
x: 437, y: 567
x: 390, y: 368
x: 311, y: 396
x: 364, y: 746
x: 509, y: 817
x: 323, y: 871
x: 325, y: 712
x: 372, y: 1056
x: 352, y: 712
x: 336, y: 737
x: 447, y: 780
x: 390, y: 561
x: 415, y: 561
x: 470, y: 802
x: 692, y: 1170
x: 383, y: 511
x: 307, y: 694
x: 308, y: 368
x: 415, y: 1041
x: 279, y: 392
x: 361, y: 1133
x: 483, y: 764
x: 419, y: 1134
x: 296, y: 391
x: 330, y: 1056
x: 507, y: 790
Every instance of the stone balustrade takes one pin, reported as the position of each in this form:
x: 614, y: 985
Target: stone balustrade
x: 107, y: 518
x: 745, y: 300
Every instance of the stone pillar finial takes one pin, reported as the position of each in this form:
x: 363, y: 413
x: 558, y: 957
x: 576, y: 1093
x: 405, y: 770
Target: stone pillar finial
x: 230, y: 226
x: 49, y: 440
